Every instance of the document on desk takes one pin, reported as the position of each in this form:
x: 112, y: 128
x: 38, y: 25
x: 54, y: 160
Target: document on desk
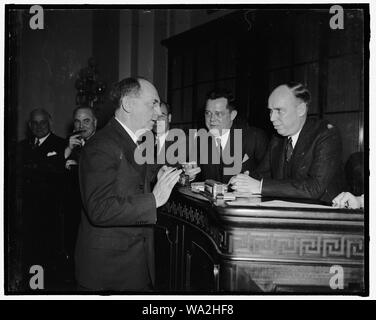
x: 288, y: 204
x: 275, y: 203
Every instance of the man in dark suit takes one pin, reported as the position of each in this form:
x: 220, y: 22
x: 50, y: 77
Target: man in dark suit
x: 220, y: 114
x: 114, y: 248
x: 40, y: 181
x: 304, y: 160
x: 84, y: 127
x: 161, y: 129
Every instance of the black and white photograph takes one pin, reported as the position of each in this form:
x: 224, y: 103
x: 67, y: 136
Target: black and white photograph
x: 166, y: 149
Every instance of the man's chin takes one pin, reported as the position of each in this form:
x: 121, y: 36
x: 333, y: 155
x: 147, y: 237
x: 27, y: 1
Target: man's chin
x: 215, y: 131
x: 281, y: 132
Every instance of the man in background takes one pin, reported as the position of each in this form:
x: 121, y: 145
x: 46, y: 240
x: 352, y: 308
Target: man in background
x: 84, y: 127
x: 40, y: 180
x: 161, y: 129
x: 220, y: 114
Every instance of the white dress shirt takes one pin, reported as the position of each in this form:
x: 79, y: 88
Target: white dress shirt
x: 41, y: 140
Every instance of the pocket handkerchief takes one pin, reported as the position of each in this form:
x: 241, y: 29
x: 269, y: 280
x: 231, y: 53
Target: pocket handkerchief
x: 52, y: 153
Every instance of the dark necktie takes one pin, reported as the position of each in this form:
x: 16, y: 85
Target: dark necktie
x: 219, y: 147
x: 220, y: 168
x: 156, y: 147
x: 36, y: 143
x: 289, y: 150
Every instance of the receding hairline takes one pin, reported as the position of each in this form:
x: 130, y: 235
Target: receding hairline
x: 292, y: 89
x: 283, y: 88
x: 39, y: 111
x: 75, y: 111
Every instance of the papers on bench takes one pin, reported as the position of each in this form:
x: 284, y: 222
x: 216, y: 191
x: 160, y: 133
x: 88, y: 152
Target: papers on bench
x: 275, y: 203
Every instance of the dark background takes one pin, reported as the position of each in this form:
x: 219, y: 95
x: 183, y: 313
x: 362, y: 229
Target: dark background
x: 186, y: 52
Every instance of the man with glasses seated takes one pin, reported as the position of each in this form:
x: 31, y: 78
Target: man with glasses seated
x: 161, y: 129
x: 220, y: 115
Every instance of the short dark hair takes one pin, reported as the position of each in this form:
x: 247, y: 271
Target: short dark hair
x: 300, y: 91
x: 222, y: 93
x: 167, y: 106
x: 84, y: 108
x: 125, y: 87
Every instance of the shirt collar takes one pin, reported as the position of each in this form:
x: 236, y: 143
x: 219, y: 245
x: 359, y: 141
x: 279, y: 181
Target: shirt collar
x: 224, y: 137
x: 41, y: 140
x: 129, y: 131
x: 162, y: 139
x: 294, y: 138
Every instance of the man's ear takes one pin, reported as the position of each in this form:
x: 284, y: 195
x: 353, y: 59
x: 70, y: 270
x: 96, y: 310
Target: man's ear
x: 169, y: 118
x: 95, y: 122
x: 302, y: 109
x: 126, y: 104
x: 233, y: 114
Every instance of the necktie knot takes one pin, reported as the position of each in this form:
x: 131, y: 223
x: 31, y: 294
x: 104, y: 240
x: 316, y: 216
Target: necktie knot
x: 289, y: 149
x: 157, y: 144
x: 218, y: 142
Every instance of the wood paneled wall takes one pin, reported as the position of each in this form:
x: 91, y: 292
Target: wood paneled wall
x: 253, y: 51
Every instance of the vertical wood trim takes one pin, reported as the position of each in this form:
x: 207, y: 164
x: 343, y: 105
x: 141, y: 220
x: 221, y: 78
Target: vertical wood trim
x: 188, y: 257
x: 134, y: 41
x: 323, y: 67
x: 182, y: 262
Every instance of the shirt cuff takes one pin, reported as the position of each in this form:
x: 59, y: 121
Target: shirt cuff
x: 262, y: 180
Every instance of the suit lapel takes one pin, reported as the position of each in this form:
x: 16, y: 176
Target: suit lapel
x: 128, y: 146
x: 278, y: 157
x: 303, y: 143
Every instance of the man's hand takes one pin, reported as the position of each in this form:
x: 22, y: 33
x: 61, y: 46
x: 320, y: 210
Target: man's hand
x: 191, y: 169
x: 347, y: 200
x: 244, y: 183
x: 74, y: 141
x: 70, y: 163
x: 167, y: 178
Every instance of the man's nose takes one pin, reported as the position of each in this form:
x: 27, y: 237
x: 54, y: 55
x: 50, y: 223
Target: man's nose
x: 157, y: 110
x: 272, y: 116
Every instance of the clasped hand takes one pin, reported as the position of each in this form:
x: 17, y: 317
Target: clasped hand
x: 242, y: 182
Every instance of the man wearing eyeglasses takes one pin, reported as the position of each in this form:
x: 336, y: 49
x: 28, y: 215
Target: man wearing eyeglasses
x: 220, y: 115
x: 304, y: 160
x: 161, y: 129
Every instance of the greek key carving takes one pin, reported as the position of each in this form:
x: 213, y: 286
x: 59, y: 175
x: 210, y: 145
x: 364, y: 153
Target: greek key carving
x: 297, y: 245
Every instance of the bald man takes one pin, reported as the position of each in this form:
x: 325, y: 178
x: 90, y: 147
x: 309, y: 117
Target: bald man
x: 114, y: 248
x: 304, y: 160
